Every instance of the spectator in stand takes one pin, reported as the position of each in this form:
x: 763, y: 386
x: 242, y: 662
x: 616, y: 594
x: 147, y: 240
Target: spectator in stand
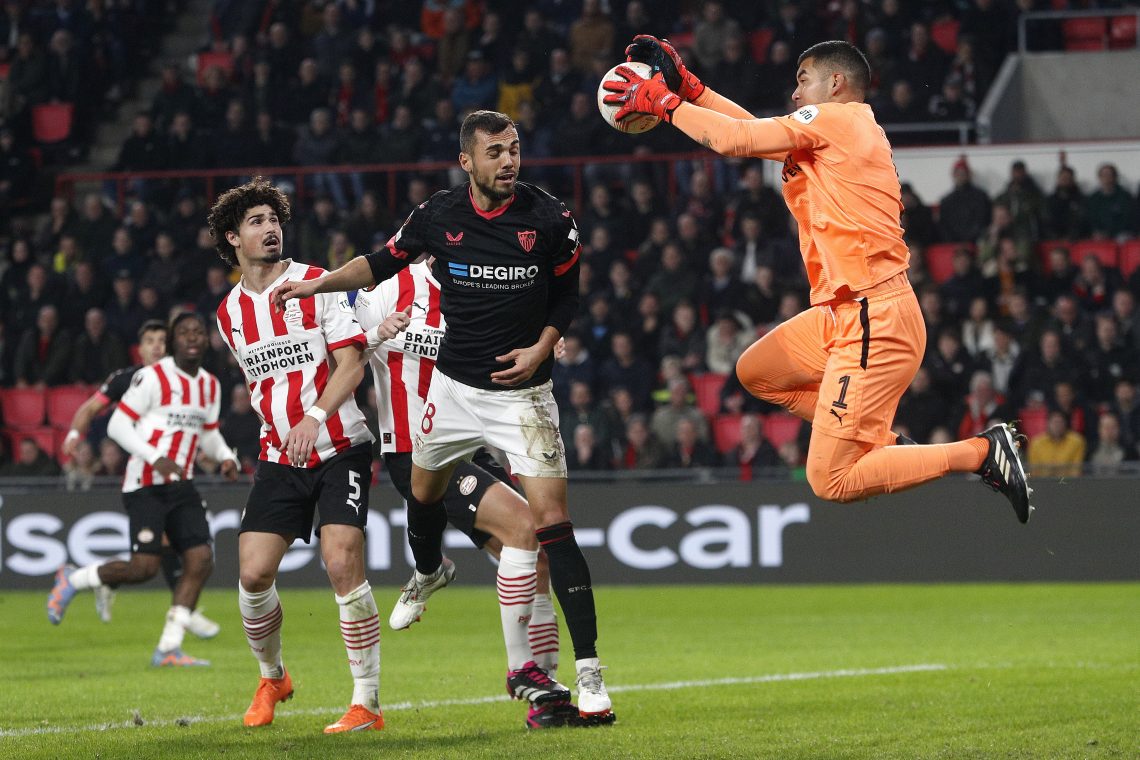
x: 580, y: 409
x: 1107, y: 362
x: 216, y: 289
x: 1071, y: 324
x: 754, y: 454
x: 27, y: 77
x: 241, y: 427
x: 84, y: 292
x: 727, y: 338
x: 1002, y: 358
x: 401, y: 138
x: 923, y: 64
x: 174, y: 96
x: 112, y: 461
x: 142, y: 225
x: 263, y: 93
x: 516, y: 86
x: 282, y: 53
x: 621, y: 295
x: 1024, y: 320
x: 1033, y: 382
x: 453, y: 47
x: 989, y: 25
x: 315, y: 229
x: 761, y: 298
x: 186, y: 147
x: 702, y: 203
x: 721, y: 289
x: 61, y: 220
x: 921, y: 409
x: 1066, y: 212
x: 590, y: 35
x: 964, y: 213
x: 848, y: 24
x: 123, y: 256
x: 232, y: 143
x: 124, y: 314
x: 13, y: 281
x: 17, y: 171
x: 736, y: 76
x: 585, y: 453
x: 642, y: 449
x: 579, y: 133
x: 79, y: 471
x: 44, y: 354
x: 952, y: 103
x: 477, y: 88
x: 981, y: 405
x: 213, y: 96
x: 680, y: 407
x: 684, y: 338
x: 557, y: 89
x: 1127, y: 318
x: 305, y: 94
x: 1094, y: 285
x: 333, y: 43
x: 67, y: 255
x: 318, y: 145
x: 950, y: 365
x: 143, y: 150
x: 917, y: 219
x: 795, y: 27
x: 962, y: 286
x: 602, y: 211
x: 1111, y: 209
x: 674, y: 282
x: 95, y: 226
x: 97, y: 352
x: 1126, y: 406
x: 978, y: 329
x: 1059, y: 276
x: 31, y: 462
x: 1110, y: 449
x: 368, y: 220
x: 24, y: 309
x: 773, y: 88
x: 1025, y: 201
x: 270, y: 145
x: 626, y: 369
x: 1007, y: 272
x: 689, y: 450
x: 1058, y: 452
x: 711, y: 35
x: 535, y: 38
x: 902, y: 107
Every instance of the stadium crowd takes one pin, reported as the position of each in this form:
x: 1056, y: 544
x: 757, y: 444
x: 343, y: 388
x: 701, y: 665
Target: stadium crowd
x: 1022, y: 322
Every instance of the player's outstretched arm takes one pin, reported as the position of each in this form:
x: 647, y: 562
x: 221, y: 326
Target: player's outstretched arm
x: 302, y: 437
x: 663, y: 57
x: 81, y: 422
x: 355, y: 274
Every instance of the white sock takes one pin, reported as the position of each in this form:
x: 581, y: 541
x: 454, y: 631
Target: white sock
x: 177, y: 618
x: 516, y: 582
x: 86, y: 577
x: 360, y: 629
x: 544, y: 634
x: 261, y: 615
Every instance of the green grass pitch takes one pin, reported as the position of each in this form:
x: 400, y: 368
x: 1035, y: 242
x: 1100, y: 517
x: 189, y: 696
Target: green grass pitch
x: 930, y: 671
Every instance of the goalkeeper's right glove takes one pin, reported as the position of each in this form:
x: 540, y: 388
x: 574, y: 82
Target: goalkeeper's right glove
x: 663, y: 58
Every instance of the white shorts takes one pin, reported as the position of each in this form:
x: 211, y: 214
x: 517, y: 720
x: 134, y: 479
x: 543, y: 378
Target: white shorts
x: 522, y: 423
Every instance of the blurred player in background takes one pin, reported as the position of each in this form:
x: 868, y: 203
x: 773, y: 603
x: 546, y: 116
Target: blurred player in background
x: 845, y: 363
x: 152, y: 347
x: 506, y: 257
x: 170, y: 409
x: 405, y: 328
x: 303, y: 364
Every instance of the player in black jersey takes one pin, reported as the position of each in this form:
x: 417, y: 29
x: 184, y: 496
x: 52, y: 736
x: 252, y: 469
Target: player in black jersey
x: 152, y: 347
x: 506, y: 257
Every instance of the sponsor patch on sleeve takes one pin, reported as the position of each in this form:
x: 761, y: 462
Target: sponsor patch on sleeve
x: 806, y: 114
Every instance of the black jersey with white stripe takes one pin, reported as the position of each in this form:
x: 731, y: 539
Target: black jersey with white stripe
x: 117, y: 383
x: 504, y: 275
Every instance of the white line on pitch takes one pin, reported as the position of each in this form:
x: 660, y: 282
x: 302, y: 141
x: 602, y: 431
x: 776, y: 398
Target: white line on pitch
x: 397, y: 706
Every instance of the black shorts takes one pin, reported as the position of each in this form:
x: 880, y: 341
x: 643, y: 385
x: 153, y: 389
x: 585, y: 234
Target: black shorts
x: 469, y: 482
x: 283, y: 499
x: 175, y: 509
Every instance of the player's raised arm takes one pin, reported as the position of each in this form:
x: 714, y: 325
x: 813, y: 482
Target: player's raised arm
x: 355, y: 274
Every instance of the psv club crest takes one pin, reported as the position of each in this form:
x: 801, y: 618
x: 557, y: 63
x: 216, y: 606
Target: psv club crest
x: 526, y: 239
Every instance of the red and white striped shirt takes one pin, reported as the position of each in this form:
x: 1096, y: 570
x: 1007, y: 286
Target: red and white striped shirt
x: 170, y: 411
x: 402, y: 366
x: 286, y: 358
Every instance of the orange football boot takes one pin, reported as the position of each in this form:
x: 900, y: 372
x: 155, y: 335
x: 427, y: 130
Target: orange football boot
x: 358, y: 718
x: 269, y: 692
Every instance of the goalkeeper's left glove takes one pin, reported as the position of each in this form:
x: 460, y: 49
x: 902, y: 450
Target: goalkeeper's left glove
x: 639, y: 95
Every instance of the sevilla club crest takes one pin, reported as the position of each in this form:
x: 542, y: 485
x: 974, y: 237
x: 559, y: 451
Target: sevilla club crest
x: 526, y: 239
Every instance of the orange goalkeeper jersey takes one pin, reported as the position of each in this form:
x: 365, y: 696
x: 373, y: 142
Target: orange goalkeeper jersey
x: 839, y: 182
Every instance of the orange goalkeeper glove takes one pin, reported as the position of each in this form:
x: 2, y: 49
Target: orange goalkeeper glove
x: 662, y: 57
x: 639, y: 95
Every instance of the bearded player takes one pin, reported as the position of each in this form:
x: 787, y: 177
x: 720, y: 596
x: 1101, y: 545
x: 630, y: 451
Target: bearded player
x: 844, y: 363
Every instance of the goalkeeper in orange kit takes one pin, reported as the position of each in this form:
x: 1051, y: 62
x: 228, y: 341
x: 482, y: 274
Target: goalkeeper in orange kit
x: 844, y: 363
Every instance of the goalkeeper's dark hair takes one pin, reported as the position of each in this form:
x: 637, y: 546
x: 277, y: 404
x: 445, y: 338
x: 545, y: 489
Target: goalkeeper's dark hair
x: 151, y: 325
x: 228, y: 211
x: 839, y: 55
x: 491, y: 122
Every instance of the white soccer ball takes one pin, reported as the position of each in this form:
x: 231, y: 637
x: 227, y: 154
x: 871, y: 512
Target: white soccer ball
x: 634, y: 123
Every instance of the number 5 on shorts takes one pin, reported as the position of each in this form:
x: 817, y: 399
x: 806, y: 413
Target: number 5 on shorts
x: 354, y: 490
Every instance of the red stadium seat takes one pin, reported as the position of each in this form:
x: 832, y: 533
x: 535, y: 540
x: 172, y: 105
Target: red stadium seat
x: 63, y: 402
x: 1105, y: 250
x: 726, y: 432
x: 1129, y: 257
x: 759, y: 42
x: 5, y: 70
x: 1122, y: 32
x: 781, y: 427
x: 707, y: 386
x: 23, y: 407
x: 1032, y: 420
x: 1085, y: 33
x: 209, y: 59
x: 945, y: 34
x: 51, y: 122
x: 43, y: 436
x: 940, y: 260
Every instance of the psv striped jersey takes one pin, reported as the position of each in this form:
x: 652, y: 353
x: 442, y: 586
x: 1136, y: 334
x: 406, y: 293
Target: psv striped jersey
x: 171, y: 410
x: 286, y: 358
x: 402, y: 366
